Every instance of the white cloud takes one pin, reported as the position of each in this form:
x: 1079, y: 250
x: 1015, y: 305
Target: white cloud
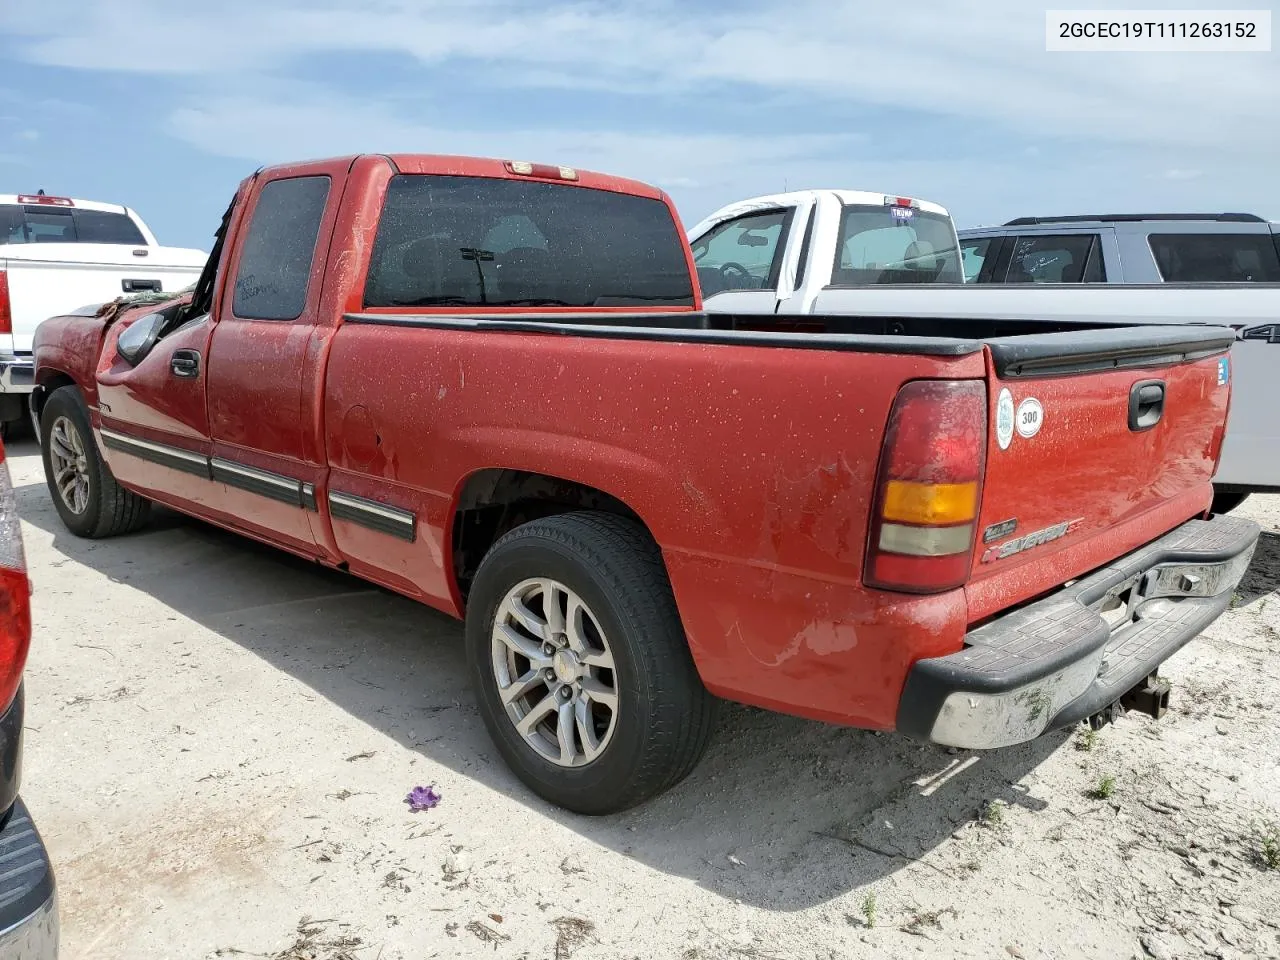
x: 978, y: 59
x: 29, y: 136
x: 1109, y: 130
x: 302, y: 122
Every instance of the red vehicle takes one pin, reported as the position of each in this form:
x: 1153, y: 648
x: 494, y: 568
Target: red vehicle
x: 490, y: 386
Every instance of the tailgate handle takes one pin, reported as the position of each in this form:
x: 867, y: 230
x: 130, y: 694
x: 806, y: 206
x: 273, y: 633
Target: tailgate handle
x: 1146, y: 404
x: 134, y: 286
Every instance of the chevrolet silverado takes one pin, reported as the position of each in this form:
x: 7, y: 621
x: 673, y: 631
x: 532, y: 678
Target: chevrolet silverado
x: 490, y: 386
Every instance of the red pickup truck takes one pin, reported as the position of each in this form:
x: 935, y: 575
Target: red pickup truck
x: 490, y: 386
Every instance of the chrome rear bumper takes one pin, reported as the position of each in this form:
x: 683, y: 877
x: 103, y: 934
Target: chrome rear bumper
x: 1075, y: 653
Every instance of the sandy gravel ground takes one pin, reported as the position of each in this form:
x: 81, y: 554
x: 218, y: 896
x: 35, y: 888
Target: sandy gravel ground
x: 221, y: 738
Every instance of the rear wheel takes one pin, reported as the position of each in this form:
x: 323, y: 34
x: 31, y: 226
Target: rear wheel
x: 581, y: 669
x: 85, y: 494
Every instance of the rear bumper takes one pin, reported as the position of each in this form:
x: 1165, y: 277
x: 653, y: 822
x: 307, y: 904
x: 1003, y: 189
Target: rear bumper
x: 17, y: 374
x: 1064, y: 658
x: 28, y: 896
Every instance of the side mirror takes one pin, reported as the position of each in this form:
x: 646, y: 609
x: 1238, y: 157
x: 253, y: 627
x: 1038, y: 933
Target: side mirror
x: 140, y: 336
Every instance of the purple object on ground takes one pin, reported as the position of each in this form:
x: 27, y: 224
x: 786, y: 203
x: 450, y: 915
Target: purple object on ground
x: 422, y: 798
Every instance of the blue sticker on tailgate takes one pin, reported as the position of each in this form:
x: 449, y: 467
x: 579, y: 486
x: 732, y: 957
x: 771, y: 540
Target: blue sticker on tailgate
x: 1224, y: 372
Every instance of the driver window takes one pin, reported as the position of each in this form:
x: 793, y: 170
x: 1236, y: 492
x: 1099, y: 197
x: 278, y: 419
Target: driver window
x: 740, y: 254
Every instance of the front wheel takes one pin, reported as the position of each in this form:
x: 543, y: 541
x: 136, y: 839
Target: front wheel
x: 85, y: 494
x: 581, y: 669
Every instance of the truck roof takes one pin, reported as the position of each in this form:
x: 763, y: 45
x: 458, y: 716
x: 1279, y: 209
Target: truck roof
x: 34, y: 199
x: 1135, y: 217
x: 459, y: 166
x: 847, y: 197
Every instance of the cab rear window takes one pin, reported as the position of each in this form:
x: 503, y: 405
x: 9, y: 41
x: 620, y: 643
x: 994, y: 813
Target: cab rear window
x: 478, y: 241
x: 888, y: 244
x: 41, y: 224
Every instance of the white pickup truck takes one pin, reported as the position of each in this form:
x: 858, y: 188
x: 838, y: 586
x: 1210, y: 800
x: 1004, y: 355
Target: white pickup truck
x: 58, y: 254
x: 775, y: 254
x: 809, y: 263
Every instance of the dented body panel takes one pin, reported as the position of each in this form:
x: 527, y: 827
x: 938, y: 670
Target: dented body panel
x: 360, y: 435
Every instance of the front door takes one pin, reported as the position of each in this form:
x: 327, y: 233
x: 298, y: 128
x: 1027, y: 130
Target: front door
x: 260, y: 368
x: 154, y: 426
x: 739, y: 261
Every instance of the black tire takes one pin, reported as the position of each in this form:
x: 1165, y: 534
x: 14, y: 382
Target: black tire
x: 1224, y: 501
x: 110, y: 509
x: 665, y: 715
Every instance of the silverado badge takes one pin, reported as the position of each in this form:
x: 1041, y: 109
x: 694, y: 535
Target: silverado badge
x: 1009, y: 548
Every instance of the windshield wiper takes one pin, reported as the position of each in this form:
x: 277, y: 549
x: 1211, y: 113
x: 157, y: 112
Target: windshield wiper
x: 437, y: 302
x: 534, y: 302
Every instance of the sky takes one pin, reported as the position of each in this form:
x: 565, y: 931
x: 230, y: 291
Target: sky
x: 164, y: 105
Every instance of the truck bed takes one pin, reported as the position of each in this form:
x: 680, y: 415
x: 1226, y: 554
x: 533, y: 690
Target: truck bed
x: 1019, y: 346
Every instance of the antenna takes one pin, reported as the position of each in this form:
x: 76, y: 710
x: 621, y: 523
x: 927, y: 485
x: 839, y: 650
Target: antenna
x: 40, y: 192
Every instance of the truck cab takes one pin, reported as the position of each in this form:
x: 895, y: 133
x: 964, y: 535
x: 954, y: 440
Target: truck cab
x: 774, y: 254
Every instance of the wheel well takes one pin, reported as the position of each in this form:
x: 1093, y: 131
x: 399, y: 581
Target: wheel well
x: 49, y: 384
x: 494, y: 502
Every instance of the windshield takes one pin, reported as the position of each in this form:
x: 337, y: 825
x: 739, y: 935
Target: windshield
x: 41, y: 224
x: 478, y: 241
x: 890, y: 244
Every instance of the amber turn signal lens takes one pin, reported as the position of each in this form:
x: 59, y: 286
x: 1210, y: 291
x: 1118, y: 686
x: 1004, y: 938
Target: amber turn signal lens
x: 929, y: 504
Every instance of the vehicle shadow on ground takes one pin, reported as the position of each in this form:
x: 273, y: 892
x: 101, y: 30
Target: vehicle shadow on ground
x: 782, y: 813
x: 1263, y: 576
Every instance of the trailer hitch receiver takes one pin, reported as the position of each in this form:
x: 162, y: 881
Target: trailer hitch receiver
x: 1150, y: 697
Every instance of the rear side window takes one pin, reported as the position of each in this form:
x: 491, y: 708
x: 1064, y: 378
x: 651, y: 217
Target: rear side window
x: 1216, y: 257
x: 1050, y: 259
x: 481, y: 241
x: 39, y: 224
x: 889, y: 244
x: 973, y: 254
x: 279, y: 249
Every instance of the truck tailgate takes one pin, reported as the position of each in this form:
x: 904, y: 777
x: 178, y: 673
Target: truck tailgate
x: 1094, y: 448
x: 47, y: 280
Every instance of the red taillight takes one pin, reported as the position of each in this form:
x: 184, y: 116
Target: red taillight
x: 6, y: 312
x: 15, y: 593
x: 929, y: 487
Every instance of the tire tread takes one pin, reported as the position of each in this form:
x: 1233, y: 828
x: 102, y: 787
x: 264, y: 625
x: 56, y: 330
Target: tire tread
x: 118, y: 510
x: 626, y: 557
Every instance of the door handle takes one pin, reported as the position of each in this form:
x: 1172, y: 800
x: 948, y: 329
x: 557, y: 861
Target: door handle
x: 136, y: 286
x: 1146, y: 404
x: 185, y: 364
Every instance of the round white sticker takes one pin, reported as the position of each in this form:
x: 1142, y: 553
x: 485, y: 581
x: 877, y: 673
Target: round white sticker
x: 1030, y: 417
x: 1004, y: 419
